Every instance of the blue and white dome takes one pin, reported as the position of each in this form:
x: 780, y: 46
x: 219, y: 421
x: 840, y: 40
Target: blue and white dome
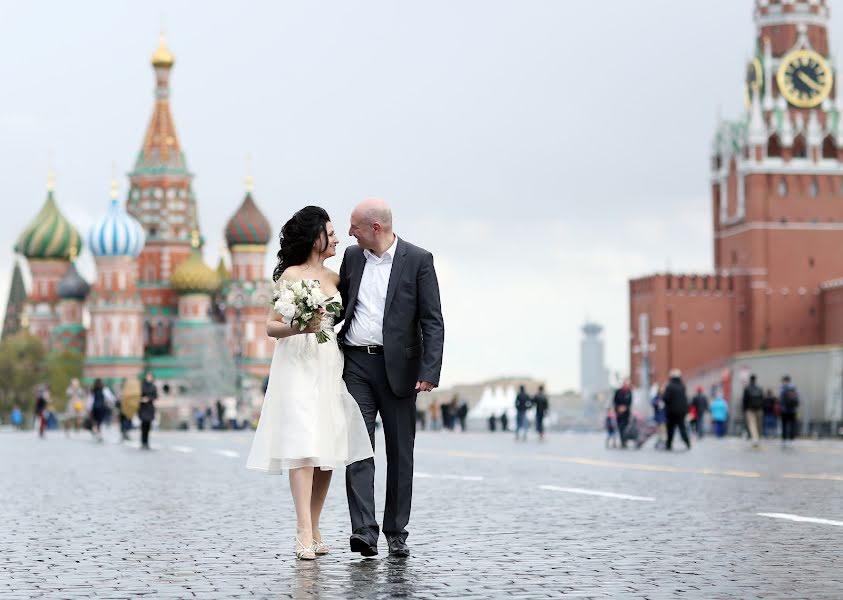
x: 116, y: 234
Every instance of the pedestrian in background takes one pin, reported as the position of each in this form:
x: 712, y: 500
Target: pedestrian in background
x: 753, y: 410
x: 17, y: 418
x: 676, y: 408
x: 659, y: 417
x: 493, y: 423
x: 100, y: 397
x: 700, y: 404
x: 146, y: 410
x: 76, y: 400
x: 523, y: 403
x: 611, y: 429
x: 435, y: 423
x: 622, y: 403
x: 504, y: 422
x: 130, y: 397
x: 789, y: 408
x: 770, y: 422
x: 42, y: 401
x: 462, y: 415
x: 719, y: 414
x: 541, y: 404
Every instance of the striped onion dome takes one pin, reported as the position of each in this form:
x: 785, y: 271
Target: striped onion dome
x: 49, y: 235
x: 193, y: 276
x: 116, y: 234
x: 248, y: 225
x: 72, y: 286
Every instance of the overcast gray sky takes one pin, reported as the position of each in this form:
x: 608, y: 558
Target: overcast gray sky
x: 544, y: 151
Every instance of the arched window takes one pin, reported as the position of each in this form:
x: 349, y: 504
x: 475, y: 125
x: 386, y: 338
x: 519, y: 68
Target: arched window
x: 829, y: 147
x: 147, y: 333
x: 159, y: 331
x: 774, y: 146
x: 800, y: 150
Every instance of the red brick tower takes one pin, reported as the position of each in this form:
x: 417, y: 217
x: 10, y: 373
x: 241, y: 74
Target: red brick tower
x: 162, y: 200
x: 777, y: 200
x: 777, y: 181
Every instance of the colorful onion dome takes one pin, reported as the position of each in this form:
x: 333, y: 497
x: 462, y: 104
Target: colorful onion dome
x: 72, y: 286
x: 193, y: 276
x: 116, y: 234
x: 248, y: 226
x: 50, y: 235
x: 162, y: 57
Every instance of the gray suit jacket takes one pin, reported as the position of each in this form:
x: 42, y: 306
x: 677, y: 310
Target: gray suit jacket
x: 413, y: 328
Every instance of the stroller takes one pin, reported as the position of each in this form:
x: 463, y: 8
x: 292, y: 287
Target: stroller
x: 638, y: 430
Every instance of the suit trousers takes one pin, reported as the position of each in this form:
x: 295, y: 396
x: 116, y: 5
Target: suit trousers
x: 674, y: 421
x: 366, y: 379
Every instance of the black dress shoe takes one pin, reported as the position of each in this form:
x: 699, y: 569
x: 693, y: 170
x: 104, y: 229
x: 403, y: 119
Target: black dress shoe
x: 362, y: 545
x: 398, y: 547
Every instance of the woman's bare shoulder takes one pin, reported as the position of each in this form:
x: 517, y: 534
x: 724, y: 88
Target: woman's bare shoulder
x: 292, y: 273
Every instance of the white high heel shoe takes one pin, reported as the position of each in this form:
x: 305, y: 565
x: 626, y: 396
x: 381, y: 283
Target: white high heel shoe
x: 304, y: 552
x: 320, y: 548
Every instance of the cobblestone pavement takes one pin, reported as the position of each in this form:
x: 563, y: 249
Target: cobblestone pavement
x: 491, y: 518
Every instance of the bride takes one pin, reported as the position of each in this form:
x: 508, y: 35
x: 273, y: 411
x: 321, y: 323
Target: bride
x: 309, y: 423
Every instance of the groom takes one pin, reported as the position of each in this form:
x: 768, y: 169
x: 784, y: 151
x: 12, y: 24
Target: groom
x: 392, y: 337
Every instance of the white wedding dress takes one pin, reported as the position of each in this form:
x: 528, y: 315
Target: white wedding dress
x: 308, y: 417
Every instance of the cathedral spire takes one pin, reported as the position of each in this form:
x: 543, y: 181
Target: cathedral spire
x: 13, y: 321
x: 161, y: 150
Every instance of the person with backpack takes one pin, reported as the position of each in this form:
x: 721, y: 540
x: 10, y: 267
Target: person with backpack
x: 753, y: 410
x: 622, y: 403
x: 789, y: 408
x: 676, y: 408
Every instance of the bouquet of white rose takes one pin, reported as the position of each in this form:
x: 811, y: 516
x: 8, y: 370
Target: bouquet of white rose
x: 298, y: 302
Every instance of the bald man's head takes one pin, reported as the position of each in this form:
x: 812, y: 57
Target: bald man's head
x: 371, y: 224
x: 374, y: 210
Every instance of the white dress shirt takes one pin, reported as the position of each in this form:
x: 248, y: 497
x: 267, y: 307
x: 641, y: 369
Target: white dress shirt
x: 366, y: 327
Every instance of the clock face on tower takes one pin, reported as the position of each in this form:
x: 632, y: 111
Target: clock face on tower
x: 804, y: 78
x: 754, y: 80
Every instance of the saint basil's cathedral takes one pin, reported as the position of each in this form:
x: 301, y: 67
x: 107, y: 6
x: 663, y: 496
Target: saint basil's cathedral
x: 154, y: 303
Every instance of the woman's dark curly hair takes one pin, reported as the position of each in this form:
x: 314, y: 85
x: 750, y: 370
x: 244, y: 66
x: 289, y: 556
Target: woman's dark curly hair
x: 298, y: 236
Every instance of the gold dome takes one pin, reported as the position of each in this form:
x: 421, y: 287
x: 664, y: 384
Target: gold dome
x: 162, y: 57
x: 193, y: 276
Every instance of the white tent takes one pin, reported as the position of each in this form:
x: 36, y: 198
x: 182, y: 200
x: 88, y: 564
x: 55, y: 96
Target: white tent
x: 495, y: 402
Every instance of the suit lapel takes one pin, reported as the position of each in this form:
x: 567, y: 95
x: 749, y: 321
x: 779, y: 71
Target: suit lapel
x: 354, y: 287
x: 395, y: 274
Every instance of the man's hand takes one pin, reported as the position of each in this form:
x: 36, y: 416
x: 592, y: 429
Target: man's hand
x: 424, y: 386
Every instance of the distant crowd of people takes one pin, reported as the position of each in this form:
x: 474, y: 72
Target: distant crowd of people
x: 763, y: 413
x: 92, y: 408
x: 448, y: 416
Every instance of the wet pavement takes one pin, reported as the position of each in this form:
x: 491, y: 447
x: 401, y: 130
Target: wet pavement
x: 491, y: 518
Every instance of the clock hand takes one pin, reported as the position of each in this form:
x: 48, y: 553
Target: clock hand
x: 809, y: 82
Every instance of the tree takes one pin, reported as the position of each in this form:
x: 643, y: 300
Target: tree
x: 22, y: 368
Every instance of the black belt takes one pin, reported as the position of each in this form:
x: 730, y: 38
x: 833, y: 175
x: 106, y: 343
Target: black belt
x: 366, y: 349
